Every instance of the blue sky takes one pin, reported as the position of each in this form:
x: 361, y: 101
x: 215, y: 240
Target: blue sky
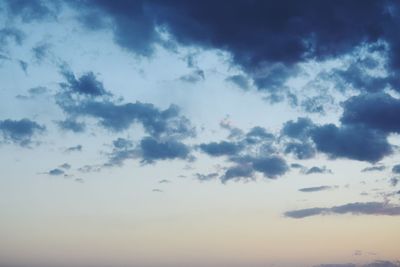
x: 174, y: 133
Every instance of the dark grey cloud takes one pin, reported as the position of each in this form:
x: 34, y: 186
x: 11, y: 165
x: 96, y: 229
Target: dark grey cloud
x: 164, y: 181
x: 357, y: 208
x: 299, y: 129
x: 352, y: 142
x: 269, y: 38
x: 240, y: 171
x: 316, y: 169
x: 258, y: 134
x: 152, y: 150
x: 270, y: 167
x: 70, y: 124
x: 149, y: 150
x: 375, y: 111
x: 206, y: 177
x: 396, y: 168
x: 77, y: 148
x: 56, y: 172
x: 240, y: 81
x: 87, y: 84
x: 20, y: 132
x: 303, y: 150
x: 23, y: 65
x: 316, y: 188
x: 97, y: 103
x: 374, y: 168
x: 222, y: 148
x: 32, y: 10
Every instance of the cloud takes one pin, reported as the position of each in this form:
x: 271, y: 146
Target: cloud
x: 299, y: 129
x: 222, y: 148
x: 164, y: 181
x: 374, y: 168
x: 240, y: 81
x: 65, y: 166
x: 32, y: 10
x: 300, y: 150
x: 380, y: 263
x: 270, y: 167
x: 206, y: 177
x: 96, y: 102
x: 316, y: 188
x: 40, y: 51
x: 72, y: 125
x: 240, y: 171
x: 394, y: 181
x: 383, y: 264
x: 396, y: 168
x: 20, y: 132
x: 270, y: 37
x: 376, y: 111
x: 33, y: 93
x: 352, y: 142
x: 194, y: 77
x: 357, y: 208
x: 56, y: 172
x: 10, y: 33
x: 87, y: 84
x: 316, y: 169
x: 152, y: 150
x: 77, y: 148
x: 23, y: 65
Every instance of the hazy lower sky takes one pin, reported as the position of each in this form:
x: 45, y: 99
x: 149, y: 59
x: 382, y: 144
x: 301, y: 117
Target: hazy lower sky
x: 199, y: 133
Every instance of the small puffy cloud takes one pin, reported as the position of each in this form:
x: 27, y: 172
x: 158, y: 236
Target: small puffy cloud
x: 56, y: 172
x: 20, y: 132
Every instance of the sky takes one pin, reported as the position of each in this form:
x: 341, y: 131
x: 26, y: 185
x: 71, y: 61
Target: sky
x: 151, y: 133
